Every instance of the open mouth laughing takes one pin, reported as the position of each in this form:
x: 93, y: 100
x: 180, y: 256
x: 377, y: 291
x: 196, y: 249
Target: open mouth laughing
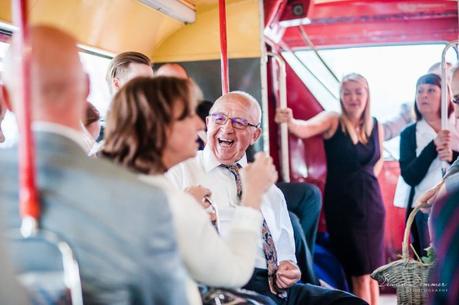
x: 225, y: 143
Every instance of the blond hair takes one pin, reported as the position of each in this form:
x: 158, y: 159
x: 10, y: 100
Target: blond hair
x: 365, y: 122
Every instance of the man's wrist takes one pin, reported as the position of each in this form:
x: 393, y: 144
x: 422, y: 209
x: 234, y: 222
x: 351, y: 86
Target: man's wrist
x: 251, y: 201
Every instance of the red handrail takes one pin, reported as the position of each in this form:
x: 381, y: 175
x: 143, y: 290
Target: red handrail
x: 223, y: 47
x: 28, y: 198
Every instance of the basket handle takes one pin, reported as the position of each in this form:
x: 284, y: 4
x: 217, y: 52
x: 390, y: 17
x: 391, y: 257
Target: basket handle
x: 419, y: 205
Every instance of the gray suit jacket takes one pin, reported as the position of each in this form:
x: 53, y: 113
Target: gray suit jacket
x: 11, y: 292
x: 120, y: 229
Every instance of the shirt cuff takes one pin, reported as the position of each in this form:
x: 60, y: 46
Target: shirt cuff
x: 247, y: 219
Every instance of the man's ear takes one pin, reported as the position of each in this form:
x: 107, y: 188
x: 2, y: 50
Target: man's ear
x: 116, y: 83
x: 256, y: 135
x: 6, y: 98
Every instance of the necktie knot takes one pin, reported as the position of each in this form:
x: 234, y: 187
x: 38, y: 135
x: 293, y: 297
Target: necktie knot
x: 234, y: 169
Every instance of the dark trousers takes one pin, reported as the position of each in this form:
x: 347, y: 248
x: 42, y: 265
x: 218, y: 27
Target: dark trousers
x: 305, y: 201
x: 420, y: 232
x: 300, y: 294
x: 303, y: 255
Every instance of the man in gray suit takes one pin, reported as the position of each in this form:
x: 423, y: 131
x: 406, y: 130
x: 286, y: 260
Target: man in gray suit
x: 120, y: 229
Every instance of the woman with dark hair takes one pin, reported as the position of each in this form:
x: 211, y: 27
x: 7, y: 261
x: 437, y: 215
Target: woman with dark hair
x: 151, y: 126
x: 423, y: 148
x: 353, y: 205
x: 92, y: 120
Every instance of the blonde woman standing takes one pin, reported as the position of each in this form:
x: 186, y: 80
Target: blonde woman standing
x: 353, y: 204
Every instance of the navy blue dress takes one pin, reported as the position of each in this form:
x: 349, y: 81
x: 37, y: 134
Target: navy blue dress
x: 354, y: 208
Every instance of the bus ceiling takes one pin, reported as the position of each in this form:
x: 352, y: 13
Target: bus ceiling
x: 162, y: 29
x: 334, y: 23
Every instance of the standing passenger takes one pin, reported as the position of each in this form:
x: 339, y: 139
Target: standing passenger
x: 423, y: 147
x: 125, y: 245
x: 354, y: 209
x: 172, y: 69
x: 126, y: 66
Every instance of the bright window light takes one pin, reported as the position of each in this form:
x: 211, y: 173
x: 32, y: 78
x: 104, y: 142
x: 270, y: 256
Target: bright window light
x: 391, y: 72
x: 96, y: 67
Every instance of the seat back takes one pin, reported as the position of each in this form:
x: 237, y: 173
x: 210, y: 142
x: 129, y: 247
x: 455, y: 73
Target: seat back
x: 47, y: 267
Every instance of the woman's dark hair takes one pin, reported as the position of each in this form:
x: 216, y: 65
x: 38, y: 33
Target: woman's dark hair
x: 431, y: 79
x: 139, y: 117
x: 203, y: 109
x: 92, y: 114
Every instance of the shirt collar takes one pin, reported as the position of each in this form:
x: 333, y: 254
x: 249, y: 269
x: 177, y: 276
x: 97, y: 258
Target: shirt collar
x: 210, y: 162
x: 67, y: 132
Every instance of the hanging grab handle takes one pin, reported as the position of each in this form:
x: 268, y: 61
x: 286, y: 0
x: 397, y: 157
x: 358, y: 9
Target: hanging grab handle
x: 223, y: 47
x: 444, y: 93
x: 28, y: 198
x: 285, y: 165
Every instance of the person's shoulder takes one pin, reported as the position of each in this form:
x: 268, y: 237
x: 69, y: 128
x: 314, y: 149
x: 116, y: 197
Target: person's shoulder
x: 329, y: 115
x: 332, y: 114
x: 102, y: 180
x: 411, y: 128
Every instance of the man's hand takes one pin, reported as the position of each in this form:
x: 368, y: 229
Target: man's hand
x: 199, y: 193
x: 287, y: 274
x: 257, y: 178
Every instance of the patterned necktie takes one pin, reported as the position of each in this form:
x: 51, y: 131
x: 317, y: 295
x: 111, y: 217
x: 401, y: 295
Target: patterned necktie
x: 269, y: 248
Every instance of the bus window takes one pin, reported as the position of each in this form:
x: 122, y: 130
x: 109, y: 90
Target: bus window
x: 391, y: 71
x: 95, y: 65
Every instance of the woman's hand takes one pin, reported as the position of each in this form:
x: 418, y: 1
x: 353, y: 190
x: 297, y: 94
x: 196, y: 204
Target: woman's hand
x: 445, y: 154
x: 443, y: 145
x: 198, y: 192
x: 283, y: 115
x: 256, y: 179
x: 202, y: 195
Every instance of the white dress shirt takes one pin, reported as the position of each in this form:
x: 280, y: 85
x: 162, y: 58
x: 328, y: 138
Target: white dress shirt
x: 204, y: 169
x: 210, y: 259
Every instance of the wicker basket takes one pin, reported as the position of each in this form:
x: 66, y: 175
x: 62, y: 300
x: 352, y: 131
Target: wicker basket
x: 407, y: 276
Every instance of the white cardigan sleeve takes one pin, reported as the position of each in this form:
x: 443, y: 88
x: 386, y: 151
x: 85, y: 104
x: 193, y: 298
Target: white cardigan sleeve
x: 209, y: 258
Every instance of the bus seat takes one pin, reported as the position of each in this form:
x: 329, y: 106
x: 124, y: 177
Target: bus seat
x: 47, y: 268
x: 326, y: 265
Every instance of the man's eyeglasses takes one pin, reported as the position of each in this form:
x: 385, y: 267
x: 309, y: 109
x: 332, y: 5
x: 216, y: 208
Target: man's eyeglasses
x: 238, y: 123
x: 455, y: 99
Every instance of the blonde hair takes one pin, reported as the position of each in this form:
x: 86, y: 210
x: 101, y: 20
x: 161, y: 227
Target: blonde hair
x: 366, y: 122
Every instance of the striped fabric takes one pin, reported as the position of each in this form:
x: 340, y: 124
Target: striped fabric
x: 444, y: 288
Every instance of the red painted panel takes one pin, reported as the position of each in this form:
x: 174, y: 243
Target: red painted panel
x: 310, y: 151
x: 358, y: 22
x: 395, y: 217
x: 340, y: 8
x: 363, y: 33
